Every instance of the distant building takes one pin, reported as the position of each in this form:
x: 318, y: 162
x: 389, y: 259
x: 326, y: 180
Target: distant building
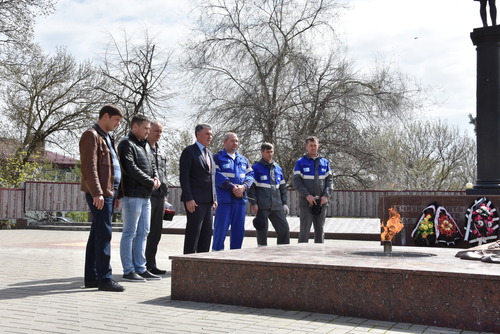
x: 9, y: 146
x: 60, y: 160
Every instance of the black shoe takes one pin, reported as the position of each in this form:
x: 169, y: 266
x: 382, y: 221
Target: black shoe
x: 491, y: 258
x: 111, y: 285
x: 157, y: 271
x: 472, y: 255
x: 147, y: 275
x: 133, y: 277
x: 91, y: 284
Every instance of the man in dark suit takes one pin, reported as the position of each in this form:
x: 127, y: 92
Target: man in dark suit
x: 197, y: 178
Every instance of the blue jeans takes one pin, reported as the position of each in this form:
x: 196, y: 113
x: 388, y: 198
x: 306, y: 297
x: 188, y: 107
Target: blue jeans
x: 136, y: 215
x: 98, y: 251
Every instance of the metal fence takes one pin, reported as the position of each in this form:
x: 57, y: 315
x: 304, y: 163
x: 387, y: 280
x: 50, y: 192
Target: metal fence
x: 65, y: 197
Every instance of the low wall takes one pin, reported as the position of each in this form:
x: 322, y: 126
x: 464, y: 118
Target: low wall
x: 60, y: 197
x: 343, y: 203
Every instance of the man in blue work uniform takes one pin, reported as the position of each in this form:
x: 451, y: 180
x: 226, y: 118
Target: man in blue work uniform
x: 312, y: 178
x: 269, y: 198
x: 233, y: 176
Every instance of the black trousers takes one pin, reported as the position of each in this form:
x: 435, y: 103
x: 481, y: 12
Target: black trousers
x: 154, y: 236
x: 280, y: 224
x: 98, y: 250
x: 198, y: 233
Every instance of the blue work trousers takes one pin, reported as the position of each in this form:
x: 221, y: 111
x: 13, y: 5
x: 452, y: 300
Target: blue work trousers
x: 226, y: 215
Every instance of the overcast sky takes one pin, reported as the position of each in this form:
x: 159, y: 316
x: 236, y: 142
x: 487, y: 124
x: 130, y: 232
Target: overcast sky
x: 428, y: 39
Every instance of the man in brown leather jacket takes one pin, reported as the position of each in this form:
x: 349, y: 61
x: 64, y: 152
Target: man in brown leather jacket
x: 101, y: 176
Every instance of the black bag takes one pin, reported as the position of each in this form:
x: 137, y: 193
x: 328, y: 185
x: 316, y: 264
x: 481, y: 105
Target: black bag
x: 169, y: 212
x: 259, y: 222
x: 316, y: 208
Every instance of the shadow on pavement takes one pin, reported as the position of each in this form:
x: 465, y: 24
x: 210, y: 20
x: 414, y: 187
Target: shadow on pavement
x: 43, y: 287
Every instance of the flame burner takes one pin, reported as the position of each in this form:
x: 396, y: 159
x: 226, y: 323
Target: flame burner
x: 390, y: 229
x: 387, y: 246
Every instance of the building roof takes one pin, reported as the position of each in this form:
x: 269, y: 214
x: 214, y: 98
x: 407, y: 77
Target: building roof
x: 8, y: 147
x: 63, y: 161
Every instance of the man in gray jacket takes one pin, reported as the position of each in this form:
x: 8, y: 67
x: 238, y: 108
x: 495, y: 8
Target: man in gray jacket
x: 312, y: 177
x: 157, y: 198
x: 268, y: 197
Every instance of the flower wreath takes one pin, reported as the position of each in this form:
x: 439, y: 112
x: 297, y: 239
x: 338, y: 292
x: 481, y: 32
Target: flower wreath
x: 482, y: 222
x: 424, y: 233
x: 447, y: 231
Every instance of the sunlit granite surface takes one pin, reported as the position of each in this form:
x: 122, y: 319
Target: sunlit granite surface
x: 352, y: 278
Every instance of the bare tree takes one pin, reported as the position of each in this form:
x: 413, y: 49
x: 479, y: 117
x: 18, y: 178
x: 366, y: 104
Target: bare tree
x: 174, y: 143
x: 428, y: 155
x: 261, y: 75
x: 17, y: 18
x: 47, y: 97
x: 136, y: 73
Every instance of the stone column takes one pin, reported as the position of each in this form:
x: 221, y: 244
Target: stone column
x: 487, y: 41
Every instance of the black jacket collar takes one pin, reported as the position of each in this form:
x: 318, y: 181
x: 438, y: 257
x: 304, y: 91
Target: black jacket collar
x: 265, y: 163
x: 133, y: 138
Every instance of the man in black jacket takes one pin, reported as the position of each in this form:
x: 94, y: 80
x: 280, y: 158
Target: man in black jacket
x: 138, y: 180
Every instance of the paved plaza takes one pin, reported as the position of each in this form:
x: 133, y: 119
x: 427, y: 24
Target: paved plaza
x: 41, y: 279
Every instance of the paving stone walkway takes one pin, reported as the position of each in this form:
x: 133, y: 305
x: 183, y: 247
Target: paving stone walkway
x: 41, y: 278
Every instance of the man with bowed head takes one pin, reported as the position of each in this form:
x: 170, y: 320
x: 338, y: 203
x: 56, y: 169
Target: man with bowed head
x: 197, y: 179
x: 312, y: 178
x: 157, y: 198
x: 268, y: 197
x: 139, y: 180
x: 101, y: 176
x: 233, y: 177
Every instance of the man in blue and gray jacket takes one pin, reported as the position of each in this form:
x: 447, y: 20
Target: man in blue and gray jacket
x: 268, y: 197
x: 233, y: 177
x: 312, y: 177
